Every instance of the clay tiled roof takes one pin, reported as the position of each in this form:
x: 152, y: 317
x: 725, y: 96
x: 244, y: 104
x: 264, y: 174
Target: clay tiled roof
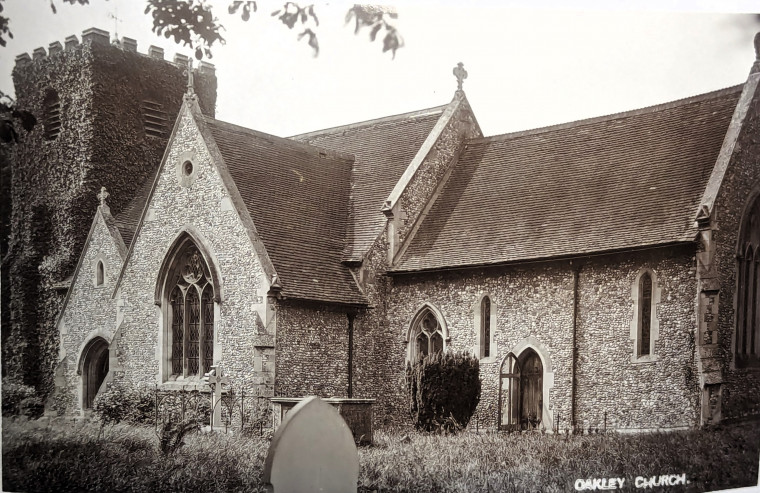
x: 623, y: 181
x: 383, y: 149
x: 297, y: 196
x: 129, y: 217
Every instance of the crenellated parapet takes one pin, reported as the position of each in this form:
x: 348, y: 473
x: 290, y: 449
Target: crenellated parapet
x: 100, y: 37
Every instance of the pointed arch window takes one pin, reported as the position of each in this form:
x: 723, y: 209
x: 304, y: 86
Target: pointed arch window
x: 645, y: 327
x: 427, y: 335
x: 747, y: 348
x: 645, y: 315
x: 99, y: 273
x: 485, y: 327
x: 191, y: 315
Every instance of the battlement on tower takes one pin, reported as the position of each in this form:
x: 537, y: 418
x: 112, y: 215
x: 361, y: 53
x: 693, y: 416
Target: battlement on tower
x: 96, y: 36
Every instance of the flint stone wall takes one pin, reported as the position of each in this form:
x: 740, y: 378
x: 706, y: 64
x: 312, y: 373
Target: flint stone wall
x: 311, y: 349
x: 534, y: 305
x: 90, y: 312
x: 239, y: 343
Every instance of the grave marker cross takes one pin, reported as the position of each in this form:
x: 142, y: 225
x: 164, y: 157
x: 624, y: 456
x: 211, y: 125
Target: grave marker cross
x: 216, y: 381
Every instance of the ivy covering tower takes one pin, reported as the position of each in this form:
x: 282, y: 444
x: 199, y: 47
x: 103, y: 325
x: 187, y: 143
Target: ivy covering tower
x: 104, y: 115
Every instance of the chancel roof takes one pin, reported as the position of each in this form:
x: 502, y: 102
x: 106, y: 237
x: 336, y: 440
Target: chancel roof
x: 623, y: 181
x: 382, y: 149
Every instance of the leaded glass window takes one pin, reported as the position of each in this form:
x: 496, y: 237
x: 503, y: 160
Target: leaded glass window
x: 427, y: 335
x: 192, y: 316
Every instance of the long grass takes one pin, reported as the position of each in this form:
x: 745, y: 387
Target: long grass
x: 76, y: 456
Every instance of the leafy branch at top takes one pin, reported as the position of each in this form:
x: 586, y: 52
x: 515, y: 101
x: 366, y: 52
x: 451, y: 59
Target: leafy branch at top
x: 291, y: 13
x: 376, y: 18
x: 190, y: 22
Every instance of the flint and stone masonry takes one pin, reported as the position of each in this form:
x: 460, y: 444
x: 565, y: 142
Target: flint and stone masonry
x: 137, y: 126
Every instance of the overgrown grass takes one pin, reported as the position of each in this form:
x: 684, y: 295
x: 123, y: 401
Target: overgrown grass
x: 71, y: 456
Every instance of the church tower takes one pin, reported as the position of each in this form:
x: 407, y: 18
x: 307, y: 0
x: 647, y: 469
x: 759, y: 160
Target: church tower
x: 104, y: 114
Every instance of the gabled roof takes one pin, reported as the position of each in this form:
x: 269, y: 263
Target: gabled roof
x: 622, y: 181
x: 383, y: 149
x: 129, y: 217
x: 297, y: 196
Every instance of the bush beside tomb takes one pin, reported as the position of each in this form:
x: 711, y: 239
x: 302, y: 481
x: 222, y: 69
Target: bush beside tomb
x: 444, y: 391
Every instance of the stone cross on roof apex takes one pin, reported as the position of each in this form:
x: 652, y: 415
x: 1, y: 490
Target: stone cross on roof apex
x: 102, y: 196
x: 189, y: 73
x: 461, y: 74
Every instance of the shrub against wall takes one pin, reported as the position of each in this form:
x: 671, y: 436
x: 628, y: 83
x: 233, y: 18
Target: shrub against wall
x: 444, y: 391
x: 20, y: 399
x: 134, y: 405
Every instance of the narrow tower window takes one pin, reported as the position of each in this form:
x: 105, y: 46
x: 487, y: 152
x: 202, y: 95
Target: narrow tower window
x: 52, y: 115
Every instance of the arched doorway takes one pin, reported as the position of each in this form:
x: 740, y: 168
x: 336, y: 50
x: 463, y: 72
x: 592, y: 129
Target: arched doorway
x: 94, y: 370
x: 531, y: 390
x: 521, y: 387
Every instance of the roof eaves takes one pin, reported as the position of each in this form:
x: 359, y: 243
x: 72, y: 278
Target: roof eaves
x: 686, y: 240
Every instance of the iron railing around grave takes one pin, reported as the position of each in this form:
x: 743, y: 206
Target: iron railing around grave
x: 245, y: 412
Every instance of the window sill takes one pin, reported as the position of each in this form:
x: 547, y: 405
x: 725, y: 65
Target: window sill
x: 192, y: 383
x: 489, y: 359
x: 650, y: 358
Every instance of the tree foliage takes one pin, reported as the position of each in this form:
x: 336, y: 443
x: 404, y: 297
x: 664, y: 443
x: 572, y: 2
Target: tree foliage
x: 192, y: 23
x: 444, y: 391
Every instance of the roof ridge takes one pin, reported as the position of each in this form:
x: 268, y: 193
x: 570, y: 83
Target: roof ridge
x: 623, y: 114
x: 367, y: 123
x: 304, y: 146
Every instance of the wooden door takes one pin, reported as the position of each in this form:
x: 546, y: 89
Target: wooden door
x: 94, y: 370
x: 531, y: 390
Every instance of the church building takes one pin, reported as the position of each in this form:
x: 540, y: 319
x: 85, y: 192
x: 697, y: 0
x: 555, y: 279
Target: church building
x: 605, y: 271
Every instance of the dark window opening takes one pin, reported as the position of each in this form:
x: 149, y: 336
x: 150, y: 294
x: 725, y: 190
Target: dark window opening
x: 52, y: 115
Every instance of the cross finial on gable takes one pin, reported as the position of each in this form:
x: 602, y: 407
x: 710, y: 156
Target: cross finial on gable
x: 102, y: 196
x: 189, y: 73
x: 461, y: 74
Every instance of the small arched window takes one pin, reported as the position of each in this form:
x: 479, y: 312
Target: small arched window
x: 645, y: 315
x: 426, y: 336
x: 99, y: 273
x: 645, y: 327
x: 191, y: 315
x: 485, y: 327
x: 748, y: 296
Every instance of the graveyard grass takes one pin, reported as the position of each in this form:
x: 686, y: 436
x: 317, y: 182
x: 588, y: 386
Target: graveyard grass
x: 64, y: 455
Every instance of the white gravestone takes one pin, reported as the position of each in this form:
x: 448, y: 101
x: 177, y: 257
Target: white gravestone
x: 313, y: 450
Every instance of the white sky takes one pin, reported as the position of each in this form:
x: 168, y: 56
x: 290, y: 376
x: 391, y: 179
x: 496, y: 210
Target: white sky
x: 527, y: 68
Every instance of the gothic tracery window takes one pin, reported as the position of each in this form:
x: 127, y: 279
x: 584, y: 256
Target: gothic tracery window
x: 427, y: 335
x: 191, y: 312
x: 747, y: 347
